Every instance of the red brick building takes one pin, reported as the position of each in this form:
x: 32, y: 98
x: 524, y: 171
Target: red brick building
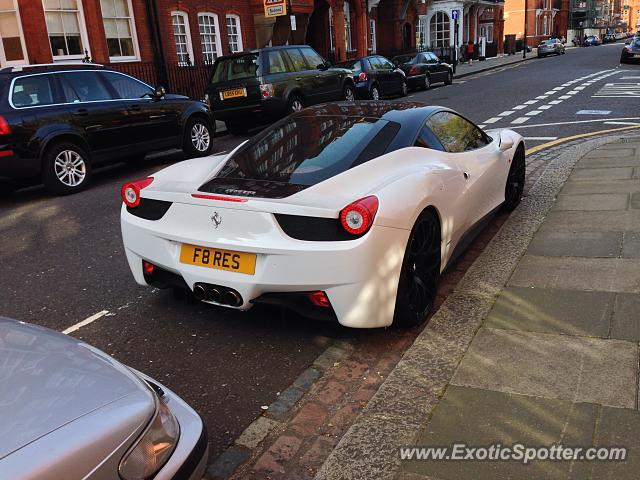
x: 545, y: 19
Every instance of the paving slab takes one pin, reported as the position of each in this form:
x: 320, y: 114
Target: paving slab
x: 622, y: 221
x: 613, y: 161
x: 577, y: 273
x: 626, y: 143
x: 568, y: 312
x: 595, y: 201
x: 631, y: 244
x: 601, y: 186
x: 480, y: 418
x: 608, y: 173
x: 635, y: 200
x: 576, y: 244
x: 625, y: 323
x: 612, y: 152
x: 577, y: 369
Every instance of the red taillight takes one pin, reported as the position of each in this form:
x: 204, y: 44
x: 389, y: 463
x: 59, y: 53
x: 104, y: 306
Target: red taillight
x: 4, y: 126
x: 130, y: 191
x: 319, y: 299
x: 362, y: 77
x: 357, y: 217
x: 266, y: 90
x: 6, y: 153
x: 413, y: 70
x: 148, y: 268
x: 218, y: 197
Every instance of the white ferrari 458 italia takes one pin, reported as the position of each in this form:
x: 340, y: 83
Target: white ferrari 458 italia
x: 346, y: 211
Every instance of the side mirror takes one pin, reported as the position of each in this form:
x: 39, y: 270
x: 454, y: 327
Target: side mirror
x: 506, y: 142
x: 159, y: 92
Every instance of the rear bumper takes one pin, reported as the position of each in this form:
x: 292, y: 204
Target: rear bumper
x: 262, y: 109
x: 415, y: 81
x: 360, y: 276
x: 16, y: 167
x: 363, y: 90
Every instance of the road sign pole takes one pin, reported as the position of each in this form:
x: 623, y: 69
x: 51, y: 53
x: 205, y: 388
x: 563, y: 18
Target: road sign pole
x: 454, y: 15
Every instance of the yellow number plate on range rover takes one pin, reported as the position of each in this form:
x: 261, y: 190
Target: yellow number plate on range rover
x: 233, y: 93
x: 229, y: 260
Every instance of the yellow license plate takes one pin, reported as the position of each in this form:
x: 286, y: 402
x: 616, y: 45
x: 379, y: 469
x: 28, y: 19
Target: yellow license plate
x: 234, y: 93
x: 219, y: 259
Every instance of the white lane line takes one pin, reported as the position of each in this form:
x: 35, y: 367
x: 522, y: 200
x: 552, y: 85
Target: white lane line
x: 545, y: 107
x: 564, y: 97
x: 629, y: 78
x: 533, y: 112
x: 555, y: 102
x: 622, y: 123
x: 519, y: 107
x: 85, y: 322
x: 521, y: 120
x: 579, y: 88
x: 602, y: 120
x: 492, y: 120
x: 481, y: 126
x: 540, y: 138
x: 542, y: 97
x: 531, y: 102
x: 550, y: 92
x: 557, y: 89
x: 506, y: 113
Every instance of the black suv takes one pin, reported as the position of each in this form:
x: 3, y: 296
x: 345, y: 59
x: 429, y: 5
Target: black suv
x: 258, y: 86
x: 58, y: 121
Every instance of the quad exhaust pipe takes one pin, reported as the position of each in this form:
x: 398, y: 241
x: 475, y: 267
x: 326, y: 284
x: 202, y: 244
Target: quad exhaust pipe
x: 217, y: 294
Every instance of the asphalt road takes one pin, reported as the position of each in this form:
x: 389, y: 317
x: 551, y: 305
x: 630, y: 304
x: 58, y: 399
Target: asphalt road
x: 62, y: 260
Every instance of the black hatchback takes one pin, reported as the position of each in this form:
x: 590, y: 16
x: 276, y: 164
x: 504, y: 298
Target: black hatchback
x: 424, y: 69
x: 257, y: 86
x: 58, y: 121
x: 376, y: 77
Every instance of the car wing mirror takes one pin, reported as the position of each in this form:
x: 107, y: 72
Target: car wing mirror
x: 506, y: 142
x: 159, y: 92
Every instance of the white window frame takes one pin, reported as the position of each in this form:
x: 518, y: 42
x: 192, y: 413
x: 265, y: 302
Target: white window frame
x: 348, y: 44
x: 332, y: 47
x: 545, y: 23
x: 218, y: 43
x: 440, y: 36
x: 84, y: 38
x: 134, y: 39
x: 239, y: 34
x: 187, y: 32
x: 25, y: 59
x: 372, y: 35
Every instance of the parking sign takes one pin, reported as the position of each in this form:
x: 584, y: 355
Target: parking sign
x: 454, y: 14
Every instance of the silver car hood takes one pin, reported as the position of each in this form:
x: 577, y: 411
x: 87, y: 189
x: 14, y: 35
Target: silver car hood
x: 48, y: 380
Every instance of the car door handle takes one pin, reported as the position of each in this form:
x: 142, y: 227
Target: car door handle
x: 466, y: 175
x: 81, y: 112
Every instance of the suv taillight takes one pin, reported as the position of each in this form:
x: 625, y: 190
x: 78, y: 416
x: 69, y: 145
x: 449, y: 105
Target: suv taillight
x: 266, y: 90
x: 413, y: 70
x: 4, y: 126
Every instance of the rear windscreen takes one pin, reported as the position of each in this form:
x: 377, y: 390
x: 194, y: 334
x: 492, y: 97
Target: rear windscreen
x: 236, y: 68
x: 308, y: 150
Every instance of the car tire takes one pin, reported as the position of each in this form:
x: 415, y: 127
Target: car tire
x: 295, y: 104
x: 66, y: 168
x: 515, y: 181
x: 420, y: 272
x: 236, y: 128
x: 348, y: 93
x: 427, y: 82
x: 375, y: 93
x: 449, y: 79
x: 198, y: 138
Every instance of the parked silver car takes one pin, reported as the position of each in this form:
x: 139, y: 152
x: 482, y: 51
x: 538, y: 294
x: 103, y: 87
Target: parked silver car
x: 550, y: 47
x: 70, y: 411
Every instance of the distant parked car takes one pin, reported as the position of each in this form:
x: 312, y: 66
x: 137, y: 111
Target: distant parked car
x: 58, y: 121
x: 258, y: 86
x: 609, y: 38
x: 631, y: 51
x: 70, y: 411
x: 375, y: 77
x: 592, y: 40
x: 550, y: 47
x: 424, y: 69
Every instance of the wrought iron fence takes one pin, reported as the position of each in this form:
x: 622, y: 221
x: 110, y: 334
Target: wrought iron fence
x: 189, y: 80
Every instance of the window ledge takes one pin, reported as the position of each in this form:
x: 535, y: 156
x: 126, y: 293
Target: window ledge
x: 123, y: 59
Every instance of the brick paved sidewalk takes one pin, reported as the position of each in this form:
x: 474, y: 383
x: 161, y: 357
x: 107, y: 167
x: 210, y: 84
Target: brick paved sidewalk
x: 552, y: 357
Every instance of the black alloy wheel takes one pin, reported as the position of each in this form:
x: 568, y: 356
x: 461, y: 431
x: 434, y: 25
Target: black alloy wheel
x: 420, y: 272
x: 515, y: 181
x: 348, y: 94
x: 375, y: 93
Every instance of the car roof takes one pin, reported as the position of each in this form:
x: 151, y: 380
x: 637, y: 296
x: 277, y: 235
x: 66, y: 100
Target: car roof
x: 259, y: 50
x: 50, y: 67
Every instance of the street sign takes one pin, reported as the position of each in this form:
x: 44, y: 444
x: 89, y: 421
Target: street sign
x: 275, y: 8
x: 454, y: 14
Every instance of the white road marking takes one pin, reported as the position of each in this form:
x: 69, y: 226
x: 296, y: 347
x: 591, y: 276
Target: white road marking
x: 593, y: 112
x: 519, y: 107
x: 624, y: 90
x: 572, y: 92
x: 622, y: 123
x: 506, y: 113
x: 550, y: 92
x: 521, y: 120
x: 629, y: 78
x: 602, y: 120
x: 540, y: 138
x: 530, y: 102
x: 545, y: 107
x: 85, y: 322
x: 564, y: 97
x: 492, y: 120
x: 481, y: 126
x: 541, y: 97
x: 533, y: 112
x: 579, y: 88
x: 555, y: 102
